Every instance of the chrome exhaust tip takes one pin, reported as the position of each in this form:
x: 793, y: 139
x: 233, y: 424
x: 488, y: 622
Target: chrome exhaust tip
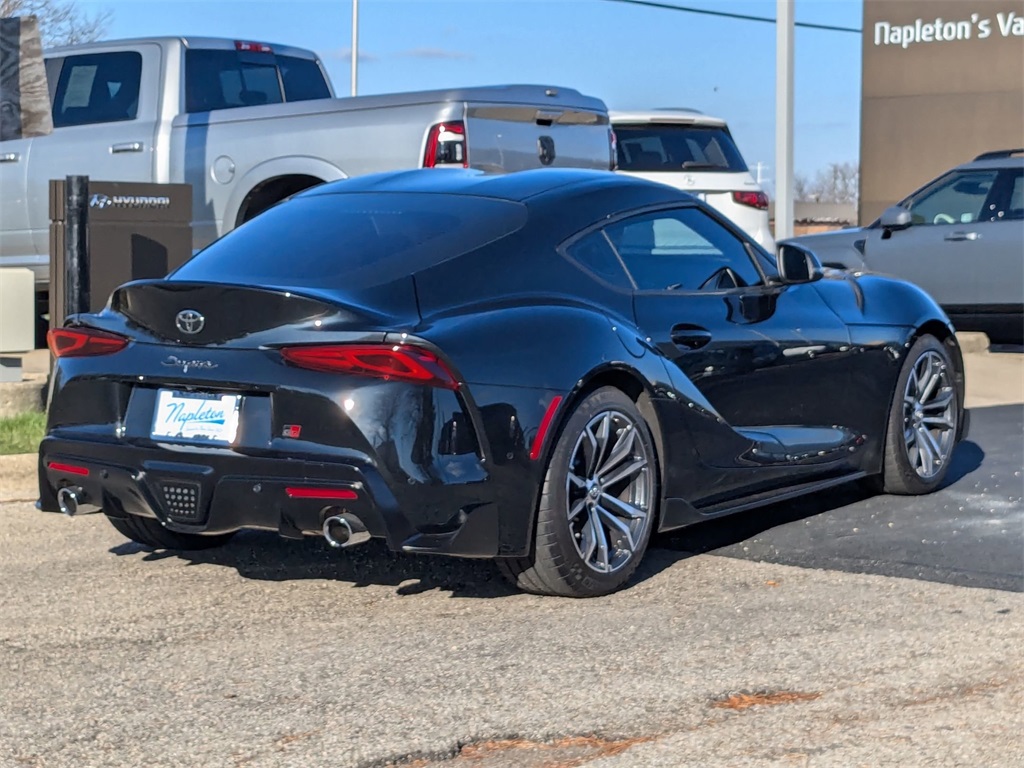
x: 344, y: 530
x: 68, y: 499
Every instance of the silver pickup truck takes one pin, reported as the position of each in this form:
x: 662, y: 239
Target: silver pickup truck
x: 248, y: 124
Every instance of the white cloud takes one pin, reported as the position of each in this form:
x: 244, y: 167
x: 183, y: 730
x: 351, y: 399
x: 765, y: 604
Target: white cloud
x: 435, y: 53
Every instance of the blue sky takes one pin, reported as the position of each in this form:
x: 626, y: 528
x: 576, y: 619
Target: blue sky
x: 630, y: 56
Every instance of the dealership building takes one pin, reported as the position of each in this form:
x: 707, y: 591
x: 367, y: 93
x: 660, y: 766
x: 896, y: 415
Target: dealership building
x: 943, y: 82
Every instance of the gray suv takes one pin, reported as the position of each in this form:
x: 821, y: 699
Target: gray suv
x: 960, y: 237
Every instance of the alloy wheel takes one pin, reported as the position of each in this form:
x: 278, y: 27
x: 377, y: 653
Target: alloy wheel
x: 609, y: 491
x: 929, y: 415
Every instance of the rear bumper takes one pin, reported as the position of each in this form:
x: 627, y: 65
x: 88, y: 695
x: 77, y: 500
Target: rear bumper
x: 210, y: 492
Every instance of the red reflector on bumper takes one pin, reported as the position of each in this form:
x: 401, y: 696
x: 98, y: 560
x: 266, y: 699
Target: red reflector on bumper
x: 542, y: 431
x: 345, y: 494
x: 70, y: 469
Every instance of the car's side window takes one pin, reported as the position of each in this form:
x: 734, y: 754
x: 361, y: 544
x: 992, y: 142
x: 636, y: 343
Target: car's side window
x: 98, y: 88
x: 594, y: 253
x: 682, y: 249
x: 958, y: 198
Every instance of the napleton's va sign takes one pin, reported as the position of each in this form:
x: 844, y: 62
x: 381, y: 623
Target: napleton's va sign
x: 1006, y: 24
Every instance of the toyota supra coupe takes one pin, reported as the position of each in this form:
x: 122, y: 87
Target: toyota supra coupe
x: 545, y: 368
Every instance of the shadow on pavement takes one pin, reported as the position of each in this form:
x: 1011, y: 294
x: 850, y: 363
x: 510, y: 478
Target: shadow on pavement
x: 265, y: 556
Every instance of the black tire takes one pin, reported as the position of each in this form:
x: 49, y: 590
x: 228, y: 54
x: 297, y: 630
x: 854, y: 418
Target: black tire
x: 558, y: 564
x: 903, y: 472
x: 149, y: 532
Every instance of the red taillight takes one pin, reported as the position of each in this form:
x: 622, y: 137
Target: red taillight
x: 757, y: 200
x: 83, y: 342
x: 545, y: 425
x: 243, y: 45
x: 68, y: 469
x: 312, y: 492
x: 392, y: 362
x: 446, y: 145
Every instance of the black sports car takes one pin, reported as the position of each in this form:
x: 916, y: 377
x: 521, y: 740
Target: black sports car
x: 544, y: 367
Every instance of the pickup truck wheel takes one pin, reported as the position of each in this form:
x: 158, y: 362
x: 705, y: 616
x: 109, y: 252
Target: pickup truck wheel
x: 148, y: 532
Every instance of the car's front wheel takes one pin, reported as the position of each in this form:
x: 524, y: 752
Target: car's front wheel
x: 148, y: 531
x: 923, y: 421
x: 598, y: 503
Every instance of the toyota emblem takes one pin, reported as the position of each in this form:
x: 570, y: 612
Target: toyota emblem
x: 189, y: 321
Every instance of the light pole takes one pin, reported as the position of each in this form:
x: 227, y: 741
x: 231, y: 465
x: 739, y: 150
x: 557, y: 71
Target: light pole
x: 784, y: 119
x: 355, y: 46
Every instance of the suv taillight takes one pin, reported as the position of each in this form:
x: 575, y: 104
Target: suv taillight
x: 446, y: 145
x: 757, y: 200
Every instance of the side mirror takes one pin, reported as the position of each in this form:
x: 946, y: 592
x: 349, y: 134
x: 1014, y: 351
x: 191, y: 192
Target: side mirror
x: 895, y: 217
x: 796, y: 264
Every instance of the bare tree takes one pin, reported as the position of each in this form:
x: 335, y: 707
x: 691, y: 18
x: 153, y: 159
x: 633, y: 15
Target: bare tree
x: 836, y: 183
x: 61, y: 22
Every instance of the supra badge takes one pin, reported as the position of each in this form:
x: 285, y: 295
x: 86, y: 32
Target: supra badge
x: 189, y: 321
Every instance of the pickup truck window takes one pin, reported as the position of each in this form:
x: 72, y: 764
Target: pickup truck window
x: 303, y: 79
x: 97, y: 88
x: 220, y: 79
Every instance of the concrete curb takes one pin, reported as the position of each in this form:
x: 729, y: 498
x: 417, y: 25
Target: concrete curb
x: 971, y: 343
x: 23, y: 396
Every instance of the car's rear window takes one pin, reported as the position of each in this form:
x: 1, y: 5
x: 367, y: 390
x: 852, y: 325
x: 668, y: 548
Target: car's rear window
x: 223, y: 79
x: 673, y: 147
x: 336, y: 241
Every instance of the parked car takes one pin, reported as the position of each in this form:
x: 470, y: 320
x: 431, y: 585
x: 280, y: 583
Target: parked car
x: 960, y: 237
x: 247, y: 124
x: 542, y: 367
x: 695, y: 153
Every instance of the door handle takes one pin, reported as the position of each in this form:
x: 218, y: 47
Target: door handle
x: 128, y: 146
x: 10, y: 157
x: 959, y: 237
x: 690, y: 336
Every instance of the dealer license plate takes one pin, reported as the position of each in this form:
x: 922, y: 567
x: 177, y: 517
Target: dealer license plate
x: 203, y: 418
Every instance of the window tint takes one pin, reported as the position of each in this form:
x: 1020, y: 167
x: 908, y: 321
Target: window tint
x: 302, y: 79
x: 1010, y: 205
x: 684, y: 249
x: 226, y: 79
x: 98, y: 88
x: 595, y: 254
x: 957, y: 198
x: 353, y: 240
x: 223, y: 79
x: 677, y: 148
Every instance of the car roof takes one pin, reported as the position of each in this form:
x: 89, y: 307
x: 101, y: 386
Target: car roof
x: 999, y: 158
x: 679, y: 115
x: 517, y: 187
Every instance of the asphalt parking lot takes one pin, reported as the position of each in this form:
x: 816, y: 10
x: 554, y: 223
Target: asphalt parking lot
x: 840, y: 630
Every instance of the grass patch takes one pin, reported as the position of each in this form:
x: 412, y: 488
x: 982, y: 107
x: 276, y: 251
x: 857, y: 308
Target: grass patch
x: 22, y: 433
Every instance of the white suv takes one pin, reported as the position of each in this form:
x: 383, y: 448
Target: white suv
x: 694, y: 153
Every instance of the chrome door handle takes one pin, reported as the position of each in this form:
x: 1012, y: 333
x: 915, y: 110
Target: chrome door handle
x: 128, y: 146
x: 959, y: 237
x: 10, y: 157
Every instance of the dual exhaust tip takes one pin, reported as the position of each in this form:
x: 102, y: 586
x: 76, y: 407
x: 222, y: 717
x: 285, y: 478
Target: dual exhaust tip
x: 344, y: 530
